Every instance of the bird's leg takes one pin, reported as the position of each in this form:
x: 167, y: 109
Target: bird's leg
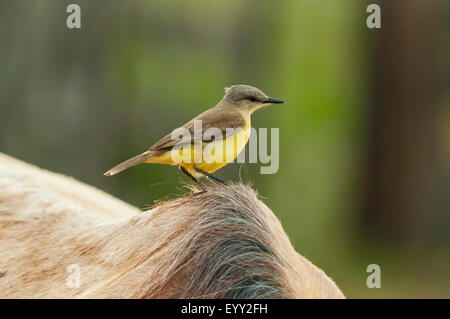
x: 188, y: 174
x: 193, y: 178
x: 210, y: 175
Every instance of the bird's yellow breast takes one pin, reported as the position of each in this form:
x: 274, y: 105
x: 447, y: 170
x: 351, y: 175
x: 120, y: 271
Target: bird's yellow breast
x: 209, y: 156
x: 217, y: 154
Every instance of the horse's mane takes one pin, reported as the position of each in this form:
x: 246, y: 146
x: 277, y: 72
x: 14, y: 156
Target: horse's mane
x: 223, y: 243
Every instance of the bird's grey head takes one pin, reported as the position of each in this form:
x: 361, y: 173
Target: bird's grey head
x: 247, y: 97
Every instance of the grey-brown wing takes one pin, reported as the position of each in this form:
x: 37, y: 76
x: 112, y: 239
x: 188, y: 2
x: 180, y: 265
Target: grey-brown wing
x: 227, y: 120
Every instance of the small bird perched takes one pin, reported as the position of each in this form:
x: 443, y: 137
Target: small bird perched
x: 231, y: 120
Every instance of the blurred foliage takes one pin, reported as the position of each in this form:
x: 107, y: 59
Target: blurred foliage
x: 80, y: 101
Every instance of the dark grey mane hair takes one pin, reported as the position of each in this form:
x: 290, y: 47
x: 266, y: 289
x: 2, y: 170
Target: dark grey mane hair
x: 226, y: 248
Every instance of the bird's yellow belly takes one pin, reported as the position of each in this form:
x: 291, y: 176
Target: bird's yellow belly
x: 210, y: 156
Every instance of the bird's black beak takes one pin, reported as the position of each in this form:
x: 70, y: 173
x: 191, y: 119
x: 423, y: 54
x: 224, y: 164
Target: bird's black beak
x: 273, y: 100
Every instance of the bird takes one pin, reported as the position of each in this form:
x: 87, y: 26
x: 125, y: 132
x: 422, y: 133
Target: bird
x: 199, y: 154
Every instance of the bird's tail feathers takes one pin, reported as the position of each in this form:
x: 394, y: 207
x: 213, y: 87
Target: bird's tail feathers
x: 138, y: 159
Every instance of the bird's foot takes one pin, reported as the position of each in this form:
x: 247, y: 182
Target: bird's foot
x: 200, y: 192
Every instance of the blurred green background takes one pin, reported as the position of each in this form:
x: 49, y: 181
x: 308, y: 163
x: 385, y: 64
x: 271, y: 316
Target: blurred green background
x: 364, y: 172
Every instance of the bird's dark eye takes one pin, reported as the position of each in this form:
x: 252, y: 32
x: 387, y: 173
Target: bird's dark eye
x: 252, y: 98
